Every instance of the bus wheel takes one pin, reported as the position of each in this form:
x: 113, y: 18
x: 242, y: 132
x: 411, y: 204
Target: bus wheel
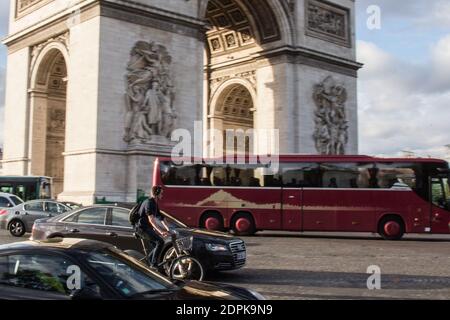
x: 243, y: 225
x: 212, y: 221
x: 391, y: 228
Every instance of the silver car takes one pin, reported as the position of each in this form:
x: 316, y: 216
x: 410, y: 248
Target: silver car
x: 20, y: 219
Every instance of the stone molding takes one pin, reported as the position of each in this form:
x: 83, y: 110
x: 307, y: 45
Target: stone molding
x: 126, y: 10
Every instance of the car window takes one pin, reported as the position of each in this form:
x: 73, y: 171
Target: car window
x: 34, y: 206
x: 4, y: 202
x: 120, y: 217
x: 47, y: 273
x: 16, y: 200
x: 125, y: 276
x: 53, y: 207
x: 89, y: 216
x: 62, y: 208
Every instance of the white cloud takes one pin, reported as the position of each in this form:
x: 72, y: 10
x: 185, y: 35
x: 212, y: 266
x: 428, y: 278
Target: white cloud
x: 404, y: 106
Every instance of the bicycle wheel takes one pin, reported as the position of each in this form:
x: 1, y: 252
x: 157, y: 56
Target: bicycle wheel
x: 186, y: 268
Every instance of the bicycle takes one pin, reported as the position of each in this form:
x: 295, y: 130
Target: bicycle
x: 180, y: 264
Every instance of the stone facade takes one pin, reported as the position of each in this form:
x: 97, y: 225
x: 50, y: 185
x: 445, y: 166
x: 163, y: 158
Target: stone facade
x: 132, y: 71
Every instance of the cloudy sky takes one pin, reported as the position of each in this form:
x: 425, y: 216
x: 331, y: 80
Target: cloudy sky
x: 404, y: 87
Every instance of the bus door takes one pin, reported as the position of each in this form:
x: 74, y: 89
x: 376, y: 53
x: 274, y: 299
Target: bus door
x: 440, y: 204
x: 291, y: 205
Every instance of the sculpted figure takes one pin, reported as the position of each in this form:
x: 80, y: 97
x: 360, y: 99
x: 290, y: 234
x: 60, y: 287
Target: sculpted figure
x: 331, y: 133
x: 150, y: 93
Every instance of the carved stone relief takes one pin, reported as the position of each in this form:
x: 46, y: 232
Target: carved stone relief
x: 328, y: 22
x: 24, y: 4
x: 331, y: 130
x: 24, y: 7
x: 151, y: 114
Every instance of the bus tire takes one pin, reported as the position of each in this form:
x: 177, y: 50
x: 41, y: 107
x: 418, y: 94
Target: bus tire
x: 243, y: 224
x: 212, y: 221
x: 391, y: 228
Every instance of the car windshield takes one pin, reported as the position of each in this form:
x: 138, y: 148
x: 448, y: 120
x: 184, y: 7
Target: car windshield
x: 16, y: 200
x: 127, y: 275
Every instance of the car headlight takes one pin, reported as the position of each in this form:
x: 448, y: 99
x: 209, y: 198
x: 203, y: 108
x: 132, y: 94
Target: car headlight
x: 216, y: 247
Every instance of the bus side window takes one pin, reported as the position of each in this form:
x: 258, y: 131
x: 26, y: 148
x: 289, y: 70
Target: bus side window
x: 438, y: 194
x: 339, y: 175
x: 396, y: 176
x: 300, y: 175
x: 6, y: 189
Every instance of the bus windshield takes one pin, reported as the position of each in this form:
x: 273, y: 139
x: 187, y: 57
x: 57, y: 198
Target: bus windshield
x: 45, y: 189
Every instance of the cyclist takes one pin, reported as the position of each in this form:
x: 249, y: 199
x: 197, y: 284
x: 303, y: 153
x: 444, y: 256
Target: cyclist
x: 151, y: 225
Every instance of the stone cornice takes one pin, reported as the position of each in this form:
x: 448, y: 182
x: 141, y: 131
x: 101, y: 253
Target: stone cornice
x: 119, y: 9
x: 295, y: 55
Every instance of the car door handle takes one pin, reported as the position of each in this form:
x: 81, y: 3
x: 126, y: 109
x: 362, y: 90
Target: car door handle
x: 75, y: 231
x: 112, y: 234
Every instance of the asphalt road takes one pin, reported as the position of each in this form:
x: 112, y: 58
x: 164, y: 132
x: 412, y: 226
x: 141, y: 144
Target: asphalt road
x: 334, y: 266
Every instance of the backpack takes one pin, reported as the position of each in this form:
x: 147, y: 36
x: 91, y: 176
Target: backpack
x: 134, y: 216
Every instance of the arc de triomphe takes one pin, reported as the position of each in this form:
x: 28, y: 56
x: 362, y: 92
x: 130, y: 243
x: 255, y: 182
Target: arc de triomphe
x: 96, y: 87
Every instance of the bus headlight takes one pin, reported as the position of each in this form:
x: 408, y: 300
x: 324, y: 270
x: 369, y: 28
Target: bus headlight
x: 216, y: 247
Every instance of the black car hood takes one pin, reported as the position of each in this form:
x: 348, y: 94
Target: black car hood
x: 205, y: 234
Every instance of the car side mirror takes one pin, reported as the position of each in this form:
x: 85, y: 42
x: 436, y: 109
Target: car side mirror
x: 9, y: 205
x: 85, y: 294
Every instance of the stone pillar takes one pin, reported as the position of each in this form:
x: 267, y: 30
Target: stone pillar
x: 16, y: 124
x: 38, y: 132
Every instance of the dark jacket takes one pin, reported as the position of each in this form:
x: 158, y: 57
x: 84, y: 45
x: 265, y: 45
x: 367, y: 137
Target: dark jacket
x: 148, y: 207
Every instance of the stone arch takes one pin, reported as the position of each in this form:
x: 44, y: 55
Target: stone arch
x: 225, y: 86
x: 233, y: 107
x: 42, y: 55
x: 47, y: 120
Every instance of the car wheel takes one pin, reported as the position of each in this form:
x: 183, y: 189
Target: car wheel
x: 17, y: 228
x: 243, y: 225
x: 391, y: 228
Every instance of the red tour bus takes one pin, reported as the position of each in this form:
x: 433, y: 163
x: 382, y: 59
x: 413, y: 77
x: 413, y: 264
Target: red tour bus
x: 310, y: 193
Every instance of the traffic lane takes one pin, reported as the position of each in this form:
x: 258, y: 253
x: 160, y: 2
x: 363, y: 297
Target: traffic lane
x: 6, y: 237
x: 327, y: 266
